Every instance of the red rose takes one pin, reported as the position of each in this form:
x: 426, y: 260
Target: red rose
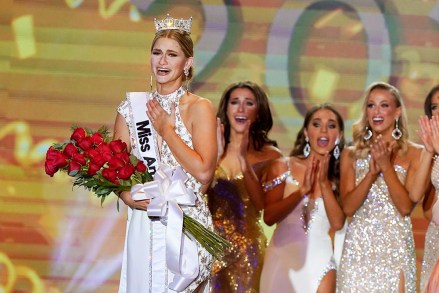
x: 70, y: 149
x: 86, y: 143
x: 74, y: 167
x: 54, y: 161
x: 126, y: 171
x: 141, y: 166
x: 79, y: 158
x: 99, y: 160
x: 110, y: 174
x: 93, y: 169
x: 78, y: 134
x: 97, y: 138
x: 115, y: 162
x: 91, y: 153
x: 105, y: 150
x: 125, y: 157
x: 118, y: 146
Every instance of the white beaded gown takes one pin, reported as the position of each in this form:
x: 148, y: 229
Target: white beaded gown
x: 431, y: 248
x: 300, y: 252
x: 158, y: 276
x: 379, y: 242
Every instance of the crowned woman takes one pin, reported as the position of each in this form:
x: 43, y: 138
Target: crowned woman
x: 174, y: 128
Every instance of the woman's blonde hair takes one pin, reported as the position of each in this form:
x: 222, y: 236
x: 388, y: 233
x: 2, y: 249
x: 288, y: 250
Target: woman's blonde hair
x: 359, y: 130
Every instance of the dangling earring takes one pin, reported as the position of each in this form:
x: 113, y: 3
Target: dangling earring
x: 150, y: 84
x: 307, y: 148
x: 336, y: 151
x: 396, y: 133
x: 186, y: 74
x: 368, y: 134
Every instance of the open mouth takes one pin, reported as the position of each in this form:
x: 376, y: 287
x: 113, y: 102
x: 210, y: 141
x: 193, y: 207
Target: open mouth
x: 378, y: 120
x: 162, y: 71
x: 241, y: 119
x: 322, y: 142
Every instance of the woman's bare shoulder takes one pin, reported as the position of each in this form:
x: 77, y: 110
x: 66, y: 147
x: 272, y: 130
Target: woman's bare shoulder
x: 414, y: 150
x: 270, y: 152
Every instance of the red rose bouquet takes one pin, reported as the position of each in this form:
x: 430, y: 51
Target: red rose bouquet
x: 105, y: 166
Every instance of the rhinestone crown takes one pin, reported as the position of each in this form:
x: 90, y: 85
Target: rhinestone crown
x: 169, y: 23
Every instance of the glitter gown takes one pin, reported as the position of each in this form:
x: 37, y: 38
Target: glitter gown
x: 431, y: 248
x: 160, y: 276
x: 236, y: 220
x: 379, y: 242
x: 300, y: 252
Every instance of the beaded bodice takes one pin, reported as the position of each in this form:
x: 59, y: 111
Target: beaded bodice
x: 379, y: 241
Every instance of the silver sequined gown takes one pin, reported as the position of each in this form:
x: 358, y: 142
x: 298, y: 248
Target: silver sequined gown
x: 431, y: 248
x: 379, y: 242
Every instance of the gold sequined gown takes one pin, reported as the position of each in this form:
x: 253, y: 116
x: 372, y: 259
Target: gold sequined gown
x: 431, y: 248
x: 379, y: 242
x: 235, y: 219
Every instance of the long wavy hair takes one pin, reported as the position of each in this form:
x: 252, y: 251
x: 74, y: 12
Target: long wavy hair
x: 427, y: 103
x: 264, y: 121
x: 362, y: 146
x: 299, y: 145
x: 185, y: 42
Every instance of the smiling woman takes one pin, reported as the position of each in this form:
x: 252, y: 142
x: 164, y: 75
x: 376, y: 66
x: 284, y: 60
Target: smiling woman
x: 377, y: 174
x: 235, y: 196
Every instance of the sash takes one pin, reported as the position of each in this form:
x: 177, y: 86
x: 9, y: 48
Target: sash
x: 166, y: 193
x: 145, y: 133
x: 136, y: 266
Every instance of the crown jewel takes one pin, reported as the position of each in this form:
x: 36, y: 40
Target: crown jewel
x: 169, y: 23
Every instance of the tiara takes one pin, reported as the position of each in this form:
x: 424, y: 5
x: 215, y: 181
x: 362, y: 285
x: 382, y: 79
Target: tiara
x: 169, y: 23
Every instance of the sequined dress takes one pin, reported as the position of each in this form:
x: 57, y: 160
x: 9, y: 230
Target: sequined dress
x: 160, y: 276
x: 431, y: 248
x: 379, y: 242
x: 236, y: 220
x: 300, y: 252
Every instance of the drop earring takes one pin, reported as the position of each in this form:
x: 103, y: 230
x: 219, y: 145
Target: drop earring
x: 396, y: 133
x: 186, y: 74
x: 150, y: 83
x: 336, y: 151
x: 367, y: 134
x: 307, y: 148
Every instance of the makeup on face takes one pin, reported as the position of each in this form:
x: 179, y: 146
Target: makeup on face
x: 242, y: 107
x: 323, y: 131
x: 381, y: 110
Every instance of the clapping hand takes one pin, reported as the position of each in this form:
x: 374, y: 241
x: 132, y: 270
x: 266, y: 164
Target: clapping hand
x: 220, y: 138
x: 434, y: 123
x: 323, y: 167
x: 425, y: 133
x: 309, y: 178
x: 381, y: 155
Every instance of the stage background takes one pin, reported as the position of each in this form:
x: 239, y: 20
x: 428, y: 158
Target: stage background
x: 71, y: 62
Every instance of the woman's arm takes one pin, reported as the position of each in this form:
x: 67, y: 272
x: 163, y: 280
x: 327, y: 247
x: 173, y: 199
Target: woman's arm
x: 335, y: 214
x: 276, y: 206
x: 428, y: 202
x: 353, y: 196
x: 399, y: 192
x: 422, y: 175
x: 200, y: 119
x: 251, y: 180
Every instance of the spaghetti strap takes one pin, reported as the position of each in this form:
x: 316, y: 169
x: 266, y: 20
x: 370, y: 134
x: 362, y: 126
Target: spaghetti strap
x: 269, y: 185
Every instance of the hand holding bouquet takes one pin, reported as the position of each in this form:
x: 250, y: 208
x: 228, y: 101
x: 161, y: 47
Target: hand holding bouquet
x: 105, y: 166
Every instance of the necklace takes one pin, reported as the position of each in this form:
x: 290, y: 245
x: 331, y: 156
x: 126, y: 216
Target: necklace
x: 166, y: 101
